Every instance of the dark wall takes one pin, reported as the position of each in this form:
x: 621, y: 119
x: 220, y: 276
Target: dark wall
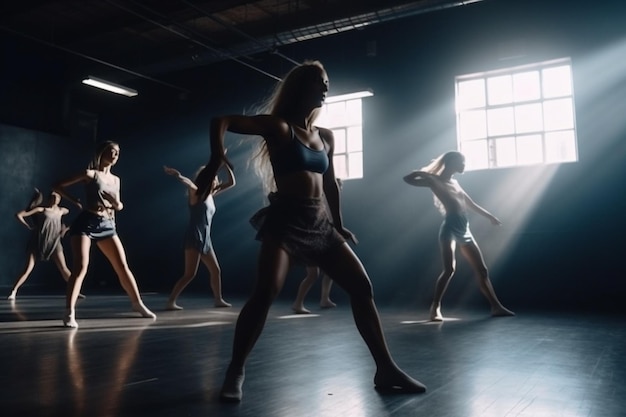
x: 560, y: 242
x: 30, y: 159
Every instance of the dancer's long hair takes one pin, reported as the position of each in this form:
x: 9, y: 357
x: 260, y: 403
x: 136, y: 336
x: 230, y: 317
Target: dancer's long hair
x: 100, y: 148
x: 284, y: 100
x: 436, y: 167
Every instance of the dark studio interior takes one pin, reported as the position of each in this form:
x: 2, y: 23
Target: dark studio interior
x: 554, y: 261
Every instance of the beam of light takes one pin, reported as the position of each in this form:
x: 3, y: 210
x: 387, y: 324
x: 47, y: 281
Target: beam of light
x: 519, y: 191
x: 513, y: 200
x: 600, y: 83
x: 599, y: 100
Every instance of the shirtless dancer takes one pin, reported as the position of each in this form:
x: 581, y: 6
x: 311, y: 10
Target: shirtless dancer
x: 453, y: 202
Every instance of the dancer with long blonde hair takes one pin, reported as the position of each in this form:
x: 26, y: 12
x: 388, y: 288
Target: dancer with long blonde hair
x: 453, y: 203
x: 296, y: 159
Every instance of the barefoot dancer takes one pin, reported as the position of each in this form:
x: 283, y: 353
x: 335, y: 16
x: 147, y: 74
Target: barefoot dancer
x: 297, y: 225
x: 312, y: 272
x: 45, y: 240
x: 305, y: 286
x: 453, y: 202
x: 198, y: 245
x: 97, y: 223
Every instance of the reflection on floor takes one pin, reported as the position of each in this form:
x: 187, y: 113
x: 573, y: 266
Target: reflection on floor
x: 117, y: 364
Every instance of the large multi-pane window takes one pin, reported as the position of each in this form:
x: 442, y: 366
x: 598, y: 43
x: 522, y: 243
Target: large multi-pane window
x: 517, y: 116
x: 343, y: 115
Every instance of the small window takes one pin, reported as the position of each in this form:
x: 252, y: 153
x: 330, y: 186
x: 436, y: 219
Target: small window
x: 517, y: 116
x: 343, y: 115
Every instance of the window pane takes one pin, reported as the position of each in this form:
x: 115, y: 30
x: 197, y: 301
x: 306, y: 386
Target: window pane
x: 340, y: 140
x: 341, y: 166
x: 345, y: 119
x: 528, y: 118
x: 558, y: 114
x: 322, y: 118
x: 355, y: 139
x: 517, y: 116
x: 557, y: 81
x: 471, y: 94
x: 561, y: 146
x: 500, y: 90
x: 473, y: 124
x: 475, y: 154
x: 336, y: 114
x: 505, y: 152
x: 526, y: 86
x: 355, y: 165
x: 500, y: 121
x: 353, y: 112
x: 529, y: 149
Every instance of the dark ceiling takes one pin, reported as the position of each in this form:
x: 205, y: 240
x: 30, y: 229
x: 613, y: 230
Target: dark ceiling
x: 154, y: 40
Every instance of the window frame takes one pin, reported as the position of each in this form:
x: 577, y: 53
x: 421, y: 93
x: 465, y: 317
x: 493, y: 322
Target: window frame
x: 557, y: 145
x: 347, y: 129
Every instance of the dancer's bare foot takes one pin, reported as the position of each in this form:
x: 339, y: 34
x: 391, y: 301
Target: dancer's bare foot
x: 396, y: 381
x: 11, y: 296
x: 232, y: 388
x: 300, y: 309
x: 171, y: 305
x: 222, y: 303
x: 501, y: 311
x: 327, y: 304
x: 70, y: 321
x: 140, y: 308
x: 435, y: 313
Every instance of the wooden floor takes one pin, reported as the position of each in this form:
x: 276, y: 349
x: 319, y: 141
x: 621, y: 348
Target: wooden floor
x: 116, y: 364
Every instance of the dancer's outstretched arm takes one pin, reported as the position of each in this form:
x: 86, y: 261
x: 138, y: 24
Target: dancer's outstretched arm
x: 478, y: 209
x: 261, y: 125
x: 61, y: 187
x: 180, y: 177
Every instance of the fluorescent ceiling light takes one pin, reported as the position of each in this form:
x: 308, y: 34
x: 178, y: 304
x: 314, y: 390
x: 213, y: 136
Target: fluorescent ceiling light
x: 350, y: 96
x: 109, y: 86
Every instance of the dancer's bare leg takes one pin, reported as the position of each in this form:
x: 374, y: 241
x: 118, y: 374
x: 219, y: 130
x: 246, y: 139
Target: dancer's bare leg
x: 215, y: 272
x: 449, y: 263
x: 192, y: 259
x: 345, y: 268
x: 325, y: 301
x: 80, y: 255
x: 273, y: 265
x: 30, y: 264
x: 474, y: 256
x: 59, y: 260
x: 312, y: 272
x: 114, y: 251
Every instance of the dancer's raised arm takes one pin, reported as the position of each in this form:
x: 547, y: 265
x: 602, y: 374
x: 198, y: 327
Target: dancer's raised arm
x: 261, y: 125
x: 419, y: 179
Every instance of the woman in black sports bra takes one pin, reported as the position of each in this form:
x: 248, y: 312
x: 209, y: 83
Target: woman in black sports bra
x: 295, y: 161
